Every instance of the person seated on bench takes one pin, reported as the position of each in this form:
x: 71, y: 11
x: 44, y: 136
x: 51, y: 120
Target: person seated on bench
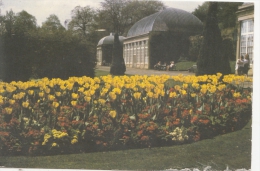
x: 163, y: 66
x: 171, y: 66
x: 158, y: 65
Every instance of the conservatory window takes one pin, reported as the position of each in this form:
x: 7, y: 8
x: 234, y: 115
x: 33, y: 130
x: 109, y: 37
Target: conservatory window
x: 247, y: 39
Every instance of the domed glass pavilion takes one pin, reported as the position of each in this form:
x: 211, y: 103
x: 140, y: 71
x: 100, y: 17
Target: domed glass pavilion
x: 163, y: 36
x: 105, y: 49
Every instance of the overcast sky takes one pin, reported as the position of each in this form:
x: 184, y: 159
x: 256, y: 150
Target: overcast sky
x: 42, y: 9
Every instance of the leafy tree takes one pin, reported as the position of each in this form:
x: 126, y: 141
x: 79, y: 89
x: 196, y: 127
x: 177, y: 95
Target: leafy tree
x: 120, y: 15
x: 9, y: 19
x: 195, y: 43
x: 201, y: 11
x: 118, y: 64
x: 228, y: 49
x: 211, y: 59
x: 50, y: 51
x: 83, y: 20
x: 52, y: 24
x: 17, y: 45
x: 24, y: 22
x: 226, y: 13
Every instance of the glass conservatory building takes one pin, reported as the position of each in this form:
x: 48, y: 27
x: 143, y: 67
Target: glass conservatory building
x: 105, y: 49
x: 137, y: 48
x: 158, y: 37
x: 245, y: 41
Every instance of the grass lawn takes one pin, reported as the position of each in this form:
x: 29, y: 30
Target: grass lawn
x: 185, y: 65
x: 232, y: 149
x: 99, y: 73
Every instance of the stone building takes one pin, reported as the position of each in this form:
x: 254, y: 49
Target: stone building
x: 105, y: 49
x: 245, y: 37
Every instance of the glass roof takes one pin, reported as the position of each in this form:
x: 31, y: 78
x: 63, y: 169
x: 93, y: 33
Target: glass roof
x: 108, y: 40
x: 169, y: 19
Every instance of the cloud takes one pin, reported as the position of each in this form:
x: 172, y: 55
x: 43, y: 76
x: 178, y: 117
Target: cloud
x: 42, y: 9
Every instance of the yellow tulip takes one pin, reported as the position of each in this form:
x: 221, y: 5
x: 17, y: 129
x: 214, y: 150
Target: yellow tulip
x: 177, y: 87
x: 162, y: 93
x: 150, y: 94
x: 74, y: 96
x: 236, y: 94
x: 212, y: 89
x: 193, y: 94
x: 112, y: 95
x: 81, y: 89
x: 172, y: 94
x: 47, y: 90
x: 8, y: 110
x: 11, y: 101
x: 87, y: 98
x: 10, y: 89
x: 51, y: 97
x: 102, y: 101
x: 41, y: 94
x: 183, y: 92
x: 112, y: 113
x: 73, y: 141
x: 117, y: 91
x: 25, y: 104
x: 203, y: 91
x: 62, y: 87
x: 55, y: 104
x: 54, y: 144
x: 58, y: 94
x: 30, y: 92
x: 69, y: 86
x: 86, y: 85
x: 73, y: 103
x: 137, y: 95
x: 185, y: 86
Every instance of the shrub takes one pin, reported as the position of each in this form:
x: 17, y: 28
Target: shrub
x: 211, y: 59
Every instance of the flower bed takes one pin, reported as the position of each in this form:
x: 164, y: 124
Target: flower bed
x: 84, y: 114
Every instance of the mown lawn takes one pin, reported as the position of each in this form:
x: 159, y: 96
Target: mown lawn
x: 185, y: 65
x: 232, y: 150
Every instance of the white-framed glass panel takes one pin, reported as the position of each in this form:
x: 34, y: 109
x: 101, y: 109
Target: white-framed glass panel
x: 247, y: 39
x: 146, y: 55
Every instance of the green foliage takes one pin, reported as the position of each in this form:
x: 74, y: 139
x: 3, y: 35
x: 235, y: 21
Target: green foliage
x: 49, y: 51
x: 211, y: 58
x: 119, y: 16
x: 201, y: 11
x: 228, y: 49
x: 194, y: 48
x: 167, y: 46
x: 63, y: 55
x: 83, y: 20
x: 226, y: 13
x: 52, y: 24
